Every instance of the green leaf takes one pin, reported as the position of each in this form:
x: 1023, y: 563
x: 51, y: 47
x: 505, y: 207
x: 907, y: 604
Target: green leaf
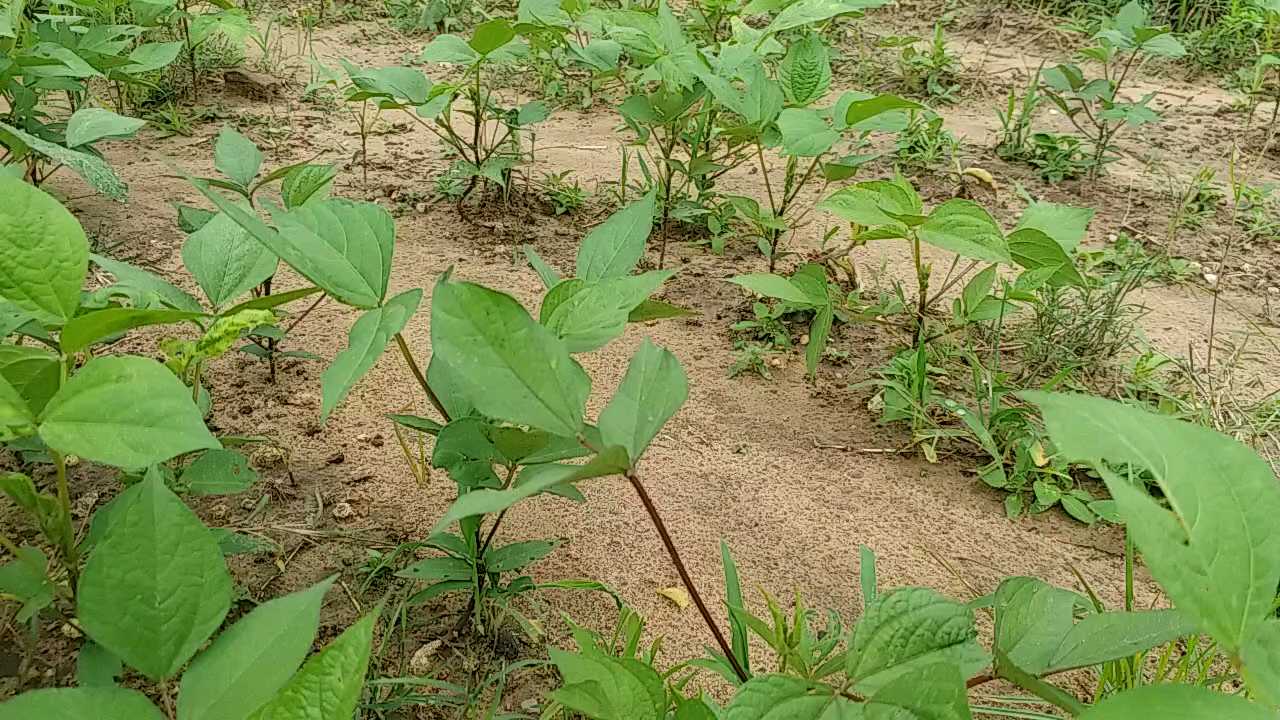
x: 236, y: 157
x: 1213, y: 550
x: 546, y: 273
x: 517, y: 556
x: 17, y: 420
x: 738, y: 631
x: 491, y: 35
x: 25, y: 578
x: 1036, y: 629
x: 614, y: 247
x: 650, y: 310
x: 965, y: 228
x: 1261, y: 657
x: 156, y: 587
x: 805, y: 133
x: 508, y: 366
x: 781, y: 697
x: 906, y: 629
x: 45, y: 253
x: 219, y: 472
x: 875, y: 204
x: 1176, y: 702
x: 149, y: 57
x: 608, y: 688
x: 92, y: 327
x: 805, y: 72
x: 449, y: 49
x: 367, y: 341
x: 403, y: 84
x: 860, y: 111
x: 809, y: 12
x: 931, y: 692
x: 328, y: 686
x: 611, y: 461
x: 587, y: 315
x: 1067, y: 225
x: 249, y: 662
x: 819, y: 331
x: 126, y: 411
x: 1033, y: 249
x: 772, y: 286
x: 225, y: 261
x: 652, y: 391
x: 436, y: 569
x: 93, y: 169
x: 149, y: 283
x: 306, y: 182
x: 89, y: 125
x: 80, y: 703
x: 96, y: 666
x: 344, y: 247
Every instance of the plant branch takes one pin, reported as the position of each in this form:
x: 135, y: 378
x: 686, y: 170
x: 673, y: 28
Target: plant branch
x: 661, y: 527
x: 422, y: 379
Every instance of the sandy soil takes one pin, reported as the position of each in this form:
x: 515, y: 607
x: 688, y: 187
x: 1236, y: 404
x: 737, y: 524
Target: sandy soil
x: 793, y: 476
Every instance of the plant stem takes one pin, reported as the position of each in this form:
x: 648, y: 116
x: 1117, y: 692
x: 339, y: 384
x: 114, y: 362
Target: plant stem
x: 422, y: 379
x: 922, y: 283
x: 191, y: 52
x: 70, y: 556
x: 656, y: 519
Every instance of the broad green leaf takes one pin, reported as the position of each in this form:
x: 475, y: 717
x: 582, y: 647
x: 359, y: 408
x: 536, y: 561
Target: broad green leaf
x: 156, y: 587
x: 328, y: 686
x: 805, y: 72
x: 931, y: 692
x: 517, y: 556
x: 964, y: 228
x: 1037, y: 631
x: 1032, y: 249
x: 402, y: 84
x: 491, y: 35
x: 346, y: 244
x: 93, y: 169
x: 225, y: 261
x: 1215, y: 549
x: 305, y: 183
x: 149, y: 57
x: 342, y: 246
x: 266, y: 302
x: 1261, y: 657
x: 906, y: 629
x: 147, y: 282
x: 587, y: 315
x: 809, y: 12
x: 236, y: 157
x: 859, y: 111
x: 805, y: 133
x: 650, y: 310
x: 89, y: 125
x: 611, y: 461
x: 79, y: 704
x: 608, y: 688
x: 875, y: 204
x: 126, y: 411
x: 772, y: 286
x: 366, y: 342
x: 25, y: 578
x: 449, y: 49
x: 218, y: 472
x: 437, y: 569
x: 45, y: 253
x: 1065, y: 224
x: 652, y: 391
x: 1176, y: 702
x: 508, y: 366
x: 96, y: 666
x: 781, y: 697
x: 249, y: 662
x: 613, y: 249
x: 92, y: 327
x: 17, y: 420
